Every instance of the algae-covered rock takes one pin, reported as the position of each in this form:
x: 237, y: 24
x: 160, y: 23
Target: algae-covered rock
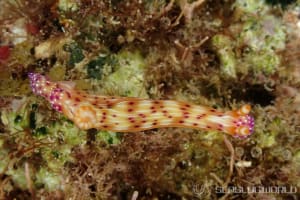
x: 57, y: 73
x: 224, y: 46
x: 257, y: 37
x: 67, y: 5
x: 51, y: 181
x: 99, y: 67
x: 18, y: 176
x: 267, y: 140
x: 262, y: 61
x: 266, y: 32
x: 128, y: 79
x: 109, y: 137
x: 250, y: 6
x: 16, y: 120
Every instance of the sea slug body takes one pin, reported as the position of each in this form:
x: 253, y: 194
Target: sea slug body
x: 129, y: 114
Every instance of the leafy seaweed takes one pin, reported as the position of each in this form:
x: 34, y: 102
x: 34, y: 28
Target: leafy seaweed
x: 18, y: 119
x: 76, y: 54
x: 95, y: 67
x: 32, y: 120
x: 40, y: 131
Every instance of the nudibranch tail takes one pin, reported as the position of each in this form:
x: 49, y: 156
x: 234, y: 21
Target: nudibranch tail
x: 123, y: 114
x: 243, y: 123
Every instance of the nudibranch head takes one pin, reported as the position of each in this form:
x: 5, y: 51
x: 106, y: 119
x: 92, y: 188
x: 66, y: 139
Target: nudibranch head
x: 40, y: 85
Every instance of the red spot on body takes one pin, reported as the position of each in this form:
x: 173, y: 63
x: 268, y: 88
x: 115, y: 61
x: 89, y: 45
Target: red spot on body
x: 200, y: 116
x: 154, y: 123
x: 212, y: 110
x: 136, y: 126
x: 77, y: 99
x: 131, y: 120
x: 156, y: 102
x: 114, y: 115
x: 170, y: 117
x: 154, y: 111
x: 181, y: 121
x: 144, y: 121
x: 195, y: 124
x: 208, y: 127
x: 130, y: 110
x: 131, y: 103
x: 187, y: 105
x: 186, y: 116
x: 152, y: 107
x: 142, y: 115
x: 68, y: 94
x: 105, y: 126
x: 182, y: 108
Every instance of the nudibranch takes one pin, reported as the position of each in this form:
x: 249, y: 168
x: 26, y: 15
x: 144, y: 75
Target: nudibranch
x: 129, y: 114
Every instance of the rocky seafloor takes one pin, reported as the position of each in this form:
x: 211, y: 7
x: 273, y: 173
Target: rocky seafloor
x: 221, y: 54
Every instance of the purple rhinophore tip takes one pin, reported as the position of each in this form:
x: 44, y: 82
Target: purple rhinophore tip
x: 30, y: 75
x: 35, y: 80
x: 250, y: 123
x: 38, y: 82
x: 34, y: 76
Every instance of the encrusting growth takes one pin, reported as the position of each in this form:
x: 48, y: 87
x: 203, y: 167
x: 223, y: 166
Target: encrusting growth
x: 129, y: 114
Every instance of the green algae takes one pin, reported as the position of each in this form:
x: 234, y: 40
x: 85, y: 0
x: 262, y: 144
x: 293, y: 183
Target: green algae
x: 128, y: 78
x: 226, y: 55
x: 262, y: 36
